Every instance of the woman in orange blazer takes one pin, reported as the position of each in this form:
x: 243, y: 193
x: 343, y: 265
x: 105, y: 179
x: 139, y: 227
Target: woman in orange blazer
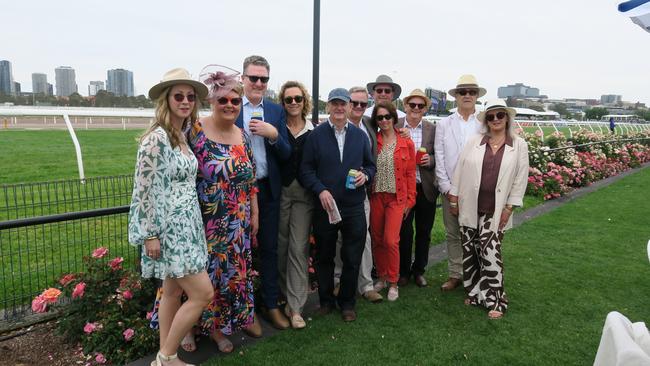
x: 392, y: 196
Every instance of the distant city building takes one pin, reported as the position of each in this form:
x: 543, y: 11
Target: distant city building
x: 120, y: 82
x: 50, y: 89
x: 518, y: 90
x: 16, y: 88
x: 39, y: 83
x: 6, y: 78
x: 65, y: 79
x: 438, y: 100
x: 610, y: 99
x: 94, y: 87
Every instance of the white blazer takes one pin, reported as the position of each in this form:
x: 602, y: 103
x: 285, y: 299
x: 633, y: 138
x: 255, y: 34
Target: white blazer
x: 448, y: 145
x: 511, y: 183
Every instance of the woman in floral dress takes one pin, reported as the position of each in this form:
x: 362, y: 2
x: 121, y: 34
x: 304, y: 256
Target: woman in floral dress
x: 165, y: 218
x: 227, y: 194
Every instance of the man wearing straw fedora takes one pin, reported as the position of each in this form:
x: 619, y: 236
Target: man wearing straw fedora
x: 452, y: 133
x: 384, y: 90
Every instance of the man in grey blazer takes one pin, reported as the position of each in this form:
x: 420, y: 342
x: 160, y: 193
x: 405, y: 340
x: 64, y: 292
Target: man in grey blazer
x: 423, y: 134
x: 452, y: 132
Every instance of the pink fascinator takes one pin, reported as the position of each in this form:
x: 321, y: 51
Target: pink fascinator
x: 219, y: 79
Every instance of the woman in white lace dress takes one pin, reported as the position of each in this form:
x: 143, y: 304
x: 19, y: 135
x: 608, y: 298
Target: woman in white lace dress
x: 165, y: 218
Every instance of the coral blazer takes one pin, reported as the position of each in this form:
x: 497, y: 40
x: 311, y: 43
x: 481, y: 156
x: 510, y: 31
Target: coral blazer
x: 404, y: 160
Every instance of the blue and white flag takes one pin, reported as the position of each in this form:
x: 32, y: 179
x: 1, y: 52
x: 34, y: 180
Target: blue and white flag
x: 638, y: 11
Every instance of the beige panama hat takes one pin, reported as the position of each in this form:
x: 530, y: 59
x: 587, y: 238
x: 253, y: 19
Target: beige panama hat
x: 467, y: 82
x: 174, y: 77
x: 418, y: 93
x: 497, y: 104
x: 385, y: 79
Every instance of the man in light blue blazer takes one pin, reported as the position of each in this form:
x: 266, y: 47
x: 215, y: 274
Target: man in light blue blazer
x: 265, y: 122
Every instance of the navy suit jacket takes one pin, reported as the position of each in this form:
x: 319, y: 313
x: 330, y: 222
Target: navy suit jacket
x: 280, y: 150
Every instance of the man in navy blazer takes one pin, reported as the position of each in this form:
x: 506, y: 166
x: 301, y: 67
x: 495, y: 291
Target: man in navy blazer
x: 265, y: 122
x: 332, y: 149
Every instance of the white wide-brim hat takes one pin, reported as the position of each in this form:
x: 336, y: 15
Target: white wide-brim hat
x: 467, y: 82
x: 174, y: 77
x: 497, y: 104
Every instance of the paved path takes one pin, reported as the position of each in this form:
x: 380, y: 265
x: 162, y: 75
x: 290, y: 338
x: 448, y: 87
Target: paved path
x: 206, y: 349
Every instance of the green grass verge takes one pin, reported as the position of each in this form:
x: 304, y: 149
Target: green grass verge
x: 564, y: 271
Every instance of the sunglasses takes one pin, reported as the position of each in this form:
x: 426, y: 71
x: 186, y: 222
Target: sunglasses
x: 297, y: 98
x: 381, y: 117
x: 254, y: 79
x: 233, y: 101
x: 356, y: 104
x: 492, y: 117
x: 383, y: 90
x: 416, y: 105
x: 464, y: 92
x: 180, y: 97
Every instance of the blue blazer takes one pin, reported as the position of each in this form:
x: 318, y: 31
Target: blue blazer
x: 280, y: 150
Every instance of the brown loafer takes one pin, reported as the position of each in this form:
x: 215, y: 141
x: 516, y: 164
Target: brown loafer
x: 278, y: 320
x: 451, y: 284
x: 348, y: 315
x: 403, y: 281
x: 373, y: 296
x: 254, y: 330
x: 421, y: 281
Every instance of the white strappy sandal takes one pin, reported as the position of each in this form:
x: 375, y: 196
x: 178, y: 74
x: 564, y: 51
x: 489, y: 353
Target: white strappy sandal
x: 160, y: 357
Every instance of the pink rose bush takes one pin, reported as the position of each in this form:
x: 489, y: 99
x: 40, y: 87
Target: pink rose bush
x: 104, y: 309
x: 553, y: 173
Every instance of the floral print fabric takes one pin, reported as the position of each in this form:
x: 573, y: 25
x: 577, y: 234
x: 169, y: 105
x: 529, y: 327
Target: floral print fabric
x: 164, y: 204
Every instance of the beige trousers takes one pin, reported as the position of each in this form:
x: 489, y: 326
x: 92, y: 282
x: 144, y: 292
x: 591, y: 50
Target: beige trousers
x: 454, y: 245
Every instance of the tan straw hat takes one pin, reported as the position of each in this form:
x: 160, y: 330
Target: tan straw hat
x: 467, y: 82
x: 175, y: 77
x: 418, y: 93
x: 497, y: 104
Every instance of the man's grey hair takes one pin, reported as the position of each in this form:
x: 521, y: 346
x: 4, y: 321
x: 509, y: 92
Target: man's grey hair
x: 257, y: 61
x: 358, y: 89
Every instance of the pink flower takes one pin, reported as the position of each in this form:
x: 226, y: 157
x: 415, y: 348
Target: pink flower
x: 90, y: 327
x: 39, y: 305
x: 66, y: 279
x: 51, y: 295
x: 127, y: 294
x: 100, y: 252
x: 149, y: 315
x: 116, y: 263
x: 78, y: 291
x: 100, y: 358
x: 128, y: 334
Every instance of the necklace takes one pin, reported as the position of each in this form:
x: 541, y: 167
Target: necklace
x: 498, y: 143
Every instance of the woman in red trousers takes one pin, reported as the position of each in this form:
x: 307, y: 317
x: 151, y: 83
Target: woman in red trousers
x: 393, y: 195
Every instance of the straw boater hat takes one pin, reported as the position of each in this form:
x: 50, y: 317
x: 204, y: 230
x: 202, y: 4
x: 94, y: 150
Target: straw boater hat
x: 174, y: 77
x: 418, y: 93
x: 385, y: 79
x: 497, y: 104
x: 467, y: 82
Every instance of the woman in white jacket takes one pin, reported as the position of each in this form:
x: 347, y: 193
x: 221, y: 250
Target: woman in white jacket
x: 490, y: 179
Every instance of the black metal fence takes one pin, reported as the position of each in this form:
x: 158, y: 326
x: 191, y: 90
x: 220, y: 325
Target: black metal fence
x: 47, y: 228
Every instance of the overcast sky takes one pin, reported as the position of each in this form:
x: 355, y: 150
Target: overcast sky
x: 567, y: 49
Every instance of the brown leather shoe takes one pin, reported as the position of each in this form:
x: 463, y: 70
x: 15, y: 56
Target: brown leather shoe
x: 403, y: 281
x: 421, y: 281
x: 278, y: 320
x: 348, y: 315
x: 373, y: 296
x: 325, y: 309
x: 254, y: 330
x: 451, y: 284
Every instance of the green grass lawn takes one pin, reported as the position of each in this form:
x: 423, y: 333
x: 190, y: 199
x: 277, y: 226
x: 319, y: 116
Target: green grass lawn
x: 46, y: 155
x: 564, y: 271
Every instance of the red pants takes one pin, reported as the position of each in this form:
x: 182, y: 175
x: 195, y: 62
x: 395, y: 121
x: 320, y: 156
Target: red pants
x: 386, y: 217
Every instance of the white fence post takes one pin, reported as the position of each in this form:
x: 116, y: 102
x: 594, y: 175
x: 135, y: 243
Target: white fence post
x: 77, y: 148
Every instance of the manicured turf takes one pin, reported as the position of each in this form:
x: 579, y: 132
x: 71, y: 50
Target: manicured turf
x: 564, y: 272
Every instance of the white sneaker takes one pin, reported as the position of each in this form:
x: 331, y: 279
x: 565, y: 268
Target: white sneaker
x: 379, y: 285
x: 393, y: 293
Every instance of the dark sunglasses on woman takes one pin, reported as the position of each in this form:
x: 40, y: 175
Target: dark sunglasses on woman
x: 180, y: 97
x: 297, y: 98
x: 233, y: 101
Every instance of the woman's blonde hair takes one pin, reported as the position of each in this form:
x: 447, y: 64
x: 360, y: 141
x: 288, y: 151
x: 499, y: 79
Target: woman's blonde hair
x: 163, y: 118
x: 306, y: 104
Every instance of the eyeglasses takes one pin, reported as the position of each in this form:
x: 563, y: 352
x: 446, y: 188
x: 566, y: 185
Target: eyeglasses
x: 464, y: 92
x: 255, y: 79
x: 180, y: 97
x: 233, y: 101
x: 297, y: 98
x: 356, y: 103
x: 416, y: 105
x: 492, y: 117
x: 381, y: 117
x: 383, y: 90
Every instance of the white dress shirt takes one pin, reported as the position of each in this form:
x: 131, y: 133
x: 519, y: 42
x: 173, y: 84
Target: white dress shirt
x: 257, y: 142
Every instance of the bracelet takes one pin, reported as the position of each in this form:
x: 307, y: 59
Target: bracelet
x: 453, y: 204
x: 151, y: 237
x: 508, y: 207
